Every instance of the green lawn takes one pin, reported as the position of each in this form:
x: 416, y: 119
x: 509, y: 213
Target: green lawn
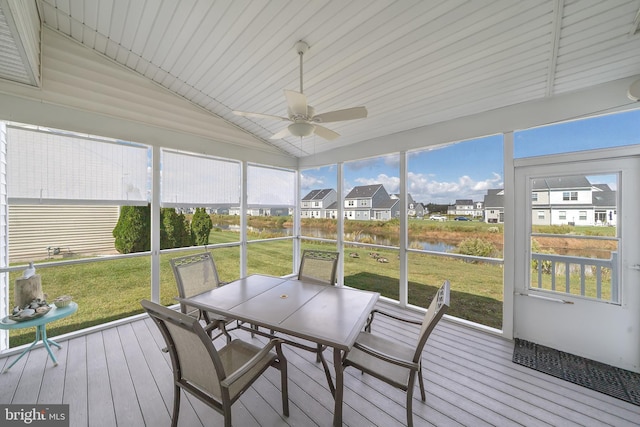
x: 109, y: 290
x: 112, y: 289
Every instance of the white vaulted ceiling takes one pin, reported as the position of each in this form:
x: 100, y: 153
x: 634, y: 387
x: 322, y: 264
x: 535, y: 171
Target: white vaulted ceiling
x: 411, y: 63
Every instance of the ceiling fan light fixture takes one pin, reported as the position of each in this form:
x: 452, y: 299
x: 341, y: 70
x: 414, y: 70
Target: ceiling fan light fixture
x: 301, y: 129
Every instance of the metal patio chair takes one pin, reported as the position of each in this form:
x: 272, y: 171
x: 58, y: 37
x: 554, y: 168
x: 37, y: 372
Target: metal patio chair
x: 196, y: 274
x: 319, y: 266
x: 393, y: 362
x: 216, y: 377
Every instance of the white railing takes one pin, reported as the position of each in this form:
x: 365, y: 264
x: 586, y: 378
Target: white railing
x: 557, y: 266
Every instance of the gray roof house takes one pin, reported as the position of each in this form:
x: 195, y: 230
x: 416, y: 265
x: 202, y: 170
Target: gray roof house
x: 561, y: 200
x: 316, y: 202
x: 494, y: 205
x: 414, y: 209
x: 370, y: 202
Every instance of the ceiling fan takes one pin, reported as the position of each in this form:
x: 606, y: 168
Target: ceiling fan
x: 304, y: 119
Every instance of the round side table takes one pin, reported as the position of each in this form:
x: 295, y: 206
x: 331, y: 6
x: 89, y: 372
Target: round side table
x: 41, y: 329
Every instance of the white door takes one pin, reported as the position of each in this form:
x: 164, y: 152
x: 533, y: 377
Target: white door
x: 578, y: 283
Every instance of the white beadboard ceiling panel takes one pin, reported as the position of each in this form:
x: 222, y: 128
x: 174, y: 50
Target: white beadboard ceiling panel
x: 412, y: 63
x: 19, y: 42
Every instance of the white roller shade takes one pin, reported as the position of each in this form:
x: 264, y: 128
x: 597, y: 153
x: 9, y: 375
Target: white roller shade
x: 191, y: 180
x: 52, y: 168
x: 270, y: 187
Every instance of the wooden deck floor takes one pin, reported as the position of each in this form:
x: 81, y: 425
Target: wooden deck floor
x: 119, y: 377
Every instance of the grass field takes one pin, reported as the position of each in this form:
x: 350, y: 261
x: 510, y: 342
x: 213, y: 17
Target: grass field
x: 112, y: 289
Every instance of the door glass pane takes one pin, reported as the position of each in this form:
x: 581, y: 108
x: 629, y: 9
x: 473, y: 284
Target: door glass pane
x: 574, y: 243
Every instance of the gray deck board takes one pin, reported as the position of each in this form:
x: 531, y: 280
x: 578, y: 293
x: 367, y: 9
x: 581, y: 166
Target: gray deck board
x: 119, y: 376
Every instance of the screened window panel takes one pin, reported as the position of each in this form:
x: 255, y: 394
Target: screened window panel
x: 51, y: 168
x: 191, y: 180
x: 270, y: 187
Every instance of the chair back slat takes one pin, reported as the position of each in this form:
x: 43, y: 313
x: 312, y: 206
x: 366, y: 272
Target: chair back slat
x: 437, y: 308
x: 194, y: 274
x: 319, y: 266
x: 195, y: 359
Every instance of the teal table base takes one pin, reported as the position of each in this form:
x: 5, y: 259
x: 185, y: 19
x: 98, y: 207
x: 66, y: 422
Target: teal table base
x: 41, y: 330
x: 41, y: 334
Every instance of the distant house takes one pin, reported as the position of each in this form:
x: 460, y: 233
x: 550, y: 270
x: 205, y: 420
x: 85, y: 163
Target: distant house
x: 316, y: 204
x: 370, y: 202
x: 494, y: 206
x: 604, y: 205
x: 466, y: 207
x: 414, y: 209
x: 262, y: 211
x: 569, y: 200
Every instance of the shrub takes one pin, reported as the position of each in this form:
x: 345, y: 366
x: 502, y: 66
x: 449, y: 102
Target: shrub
x: 476, y: 247
x: 201, y: 226
x: 133, y: 230
x: 546, y: 265
x: 174, y: 229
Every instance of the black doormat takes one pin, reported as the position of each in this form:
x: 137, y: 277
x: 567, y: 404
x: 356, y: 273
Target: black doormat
x: 606, y: 379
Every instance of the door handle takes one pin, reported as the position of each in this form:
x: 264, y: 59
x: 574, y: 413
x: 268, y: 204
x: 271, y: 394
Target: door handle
x: 635, y: 267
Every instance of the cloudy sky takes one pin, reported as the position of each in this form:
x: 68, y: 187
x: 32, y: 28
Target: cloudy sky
x: 466, y: 170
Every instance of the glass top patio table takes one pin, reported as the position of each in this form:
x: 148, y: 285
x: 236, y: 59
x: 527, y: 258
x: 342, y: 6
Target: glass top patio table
x: 332, y: 316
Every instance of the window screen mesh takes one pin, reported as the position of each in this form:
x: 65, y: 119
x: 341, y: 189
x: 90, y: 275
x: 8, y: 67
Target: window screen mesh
x: 270, y: 187
x: 190, y: 180
x: 50, y: 168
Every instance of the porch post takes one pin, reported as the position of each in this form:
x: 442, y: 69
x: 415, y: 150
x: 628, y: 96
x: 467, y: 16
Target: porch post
x: 340, y: 223
x: 403, y: 295
x: 243, y: 221
x: 4, y: 235
x: 155, y: 224
x: 509, y: 251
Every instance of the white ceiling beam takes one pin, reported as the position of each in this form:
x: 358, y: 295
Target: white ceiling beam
x: 600, y: 99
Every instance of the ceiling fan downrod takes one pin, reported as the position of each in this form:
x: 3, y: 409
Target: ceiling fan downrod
x: 301, y: 48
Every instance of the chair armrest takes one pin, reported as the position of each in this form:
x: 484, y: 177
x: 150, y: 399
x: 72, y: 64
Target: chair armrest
x: 387, y: 357
x: 367, y: 327
x: 241, y: 371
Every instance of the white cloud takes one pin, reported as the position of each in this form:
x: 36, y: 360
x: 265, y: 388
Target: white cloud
x: 390, y: 183
x: 310, y: 182
x: 427, y: 190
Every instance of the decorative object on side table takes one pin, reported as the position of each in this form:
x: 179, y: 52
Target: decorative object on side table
x: 28, y: 287
x: 40, y: 322
x: 36, y: 308
x: 62, y: 301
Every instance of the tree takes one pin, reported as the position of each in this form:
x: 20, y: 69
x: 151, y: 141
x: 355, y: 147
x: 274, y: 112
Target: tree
x: 201, y: 226
x: 133, y: 230
x: 174, y: 229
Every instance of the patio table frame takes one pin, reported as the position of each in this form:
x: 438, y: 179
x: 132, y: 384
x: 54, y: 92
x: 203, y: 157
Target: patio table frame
x: 332, y: 316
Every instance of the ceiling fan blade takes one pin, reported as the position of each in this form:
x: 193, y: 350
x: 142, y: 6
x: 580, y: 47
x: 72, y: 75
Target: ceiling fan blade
x: 340, y: 115
x: 297, y: 102
x: 258, y: 115
x: 282, y: 134
x: 326, y: 133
